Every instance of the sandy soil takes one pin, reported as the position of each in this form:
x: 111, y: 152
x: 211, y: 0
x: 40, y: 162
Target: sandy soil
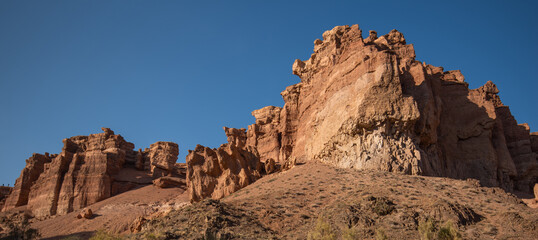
x: 290, y: 205
x: 114, y: 214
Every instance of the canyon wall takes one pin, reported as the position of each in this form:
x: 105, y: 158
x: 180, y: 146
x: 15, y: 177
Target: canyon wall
x: 361, y: 103
x: 89, y: 169
x: 368, y: 104
x: 216, y: 173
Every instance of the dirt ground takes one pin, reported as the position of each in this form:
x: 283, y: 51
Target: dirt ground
x: 315, y: 199
x: 115, y: 214
x: 311, y: 201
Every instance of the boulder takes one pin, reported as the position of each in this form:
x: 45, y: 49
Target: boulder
x: 169, y: 182
x: 136, y: 226
x: 216, y: 173
x: 85, y: 213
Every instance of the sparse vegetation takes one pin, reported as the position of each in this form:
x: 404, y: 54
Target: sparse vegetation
x: 429, y: 231
x: 382, y: 206
x: 351, y: 233
x: 426, y: 229
x: 322, y: 231
x: 103, y: 235
x: 154, y: 236
x: 380, y: 234
x: 448, y: 232
x: 18, y: 227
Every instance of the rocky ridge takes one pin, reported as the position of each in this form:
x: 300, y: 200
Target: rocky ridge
x: 368, y: 104
x: 360, y: 104
x: 89, y: 169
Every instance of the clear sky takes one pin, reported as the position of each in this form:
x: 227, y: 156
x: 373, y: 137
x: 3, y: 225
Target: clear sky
x: 181, y: 70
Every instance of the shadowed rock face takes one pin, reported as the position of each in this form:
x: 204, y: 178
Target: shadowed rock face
x: 368, y: 104
x: 216, y: 173
x: 89, y: 169
x: 31, y: 172
x: 4, y: 193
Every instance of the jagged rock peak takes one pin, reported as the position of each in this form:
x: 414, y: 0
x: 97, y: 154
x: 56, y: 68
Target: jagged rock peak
x: 368, y: 104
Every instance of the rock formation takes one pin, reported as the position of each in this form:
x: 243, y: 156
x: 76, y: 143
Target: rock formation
x: 159, y: 159
x: 89, y: 169
x: 216, y: 173
x: 4, y: 193
x: 361, y: 103
x: 368, y: 104
x: 35, y: 165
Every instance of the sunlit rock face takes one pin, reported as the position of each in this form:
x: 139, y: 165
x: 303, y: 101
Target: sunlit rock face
x: 90, y: 169
x: 216, y: 173
x: 368, y: 104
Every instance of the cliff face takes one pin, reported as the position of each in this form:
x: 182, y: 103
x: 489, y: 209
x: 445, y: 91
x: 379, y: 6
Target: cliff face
x: 4, y: 193
x: 89, y: 169
x: 361, y: 103
x: 368, y: 104
x: 216, y: 173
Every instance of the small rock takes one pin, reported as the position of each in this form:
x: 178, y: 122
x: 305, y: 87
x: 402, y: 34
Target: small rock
x: 85, y: 213
x: 168, y: 182
x: 136, y: 226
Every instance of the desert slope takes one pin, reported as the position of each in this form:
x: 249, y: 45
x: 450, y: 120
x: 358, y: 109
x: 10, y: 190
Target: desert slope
x: 289, y: 205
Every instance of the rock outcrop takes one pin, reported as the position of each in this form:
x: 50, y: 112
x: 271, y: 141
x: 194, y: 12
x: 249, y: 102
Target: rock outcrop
x: 159, y: 159
x: 4, y: 193
x: 35, y: 165
x: 89, y: 169
x: 216, y: 173
x: 368, y: 104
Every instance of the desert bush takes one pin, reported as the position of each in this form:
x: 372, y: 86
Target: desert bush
x: 322, y: 231
x: 18, y: 227
x: 448, y: 232
x: 351, y: 233
x: 429, y: 231
x: 102, y: 235
x: 426, y: 229
x: 380, y: 234
x: 383, y: 206
x: 154, y: 236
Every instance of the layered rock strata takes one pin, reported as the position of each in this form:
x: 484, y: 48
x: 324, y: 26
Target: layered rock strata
x: 35, y: 165
x: 216, y: 173
x: 89, y: 169
x: 159, y: 159
x: 368, y: 104
x: 4, y: 193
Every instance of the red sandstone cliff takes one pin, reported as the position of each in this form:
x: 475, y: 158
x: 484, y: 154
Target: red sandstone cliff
x: 361, y: 103
x: 89, y: 169
x: 368, y: 104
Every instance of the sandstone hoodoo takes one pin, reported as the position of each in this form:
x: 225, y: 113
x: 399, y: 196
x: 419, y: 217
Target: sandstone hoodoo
x: 216, y: 173
x: 368, y: 104
x: 89, y: 169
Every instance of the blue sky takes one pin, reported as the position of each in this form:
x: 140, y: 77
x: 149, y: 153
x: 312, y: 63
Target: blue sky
x: 181, y: 70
